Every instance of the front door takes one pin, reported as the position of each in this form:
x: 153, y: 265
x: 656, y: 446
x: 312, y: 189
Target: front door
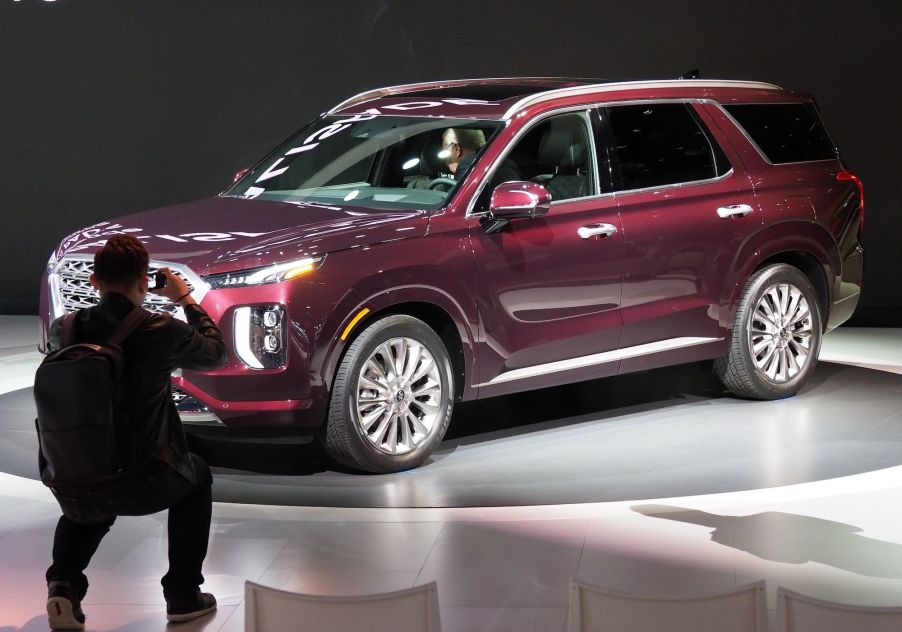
x: 548, y: 289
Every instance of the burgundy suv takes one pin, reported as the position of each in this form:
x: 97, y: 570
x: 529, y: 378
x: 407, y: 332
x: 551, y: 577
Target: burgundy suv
x: 426, y: 244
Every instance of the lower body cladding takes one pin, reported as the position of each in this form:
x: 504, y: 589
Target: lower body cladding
x: 196, y: 406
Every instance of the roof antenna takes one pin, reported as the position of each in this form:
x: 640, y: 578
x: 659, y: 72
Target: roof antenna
x: 692, y: 74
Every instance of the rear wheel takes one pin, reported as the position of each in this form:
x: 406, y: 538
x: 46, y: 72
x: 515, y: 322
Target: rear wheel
x: 392, y: 397
x: 776, y: 336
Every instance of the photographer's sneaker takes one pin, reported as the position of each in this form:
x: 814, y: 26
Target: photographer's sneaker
x: 63, y: 608
x: 186, y: 609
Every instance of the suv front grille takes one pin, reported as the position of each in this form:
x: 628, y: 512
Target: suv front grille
x: 70, y: 290
x: 75, y: 292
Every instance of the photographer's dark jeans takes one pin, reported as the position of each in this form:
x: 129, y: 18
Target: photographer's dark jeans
x: 160, y: 487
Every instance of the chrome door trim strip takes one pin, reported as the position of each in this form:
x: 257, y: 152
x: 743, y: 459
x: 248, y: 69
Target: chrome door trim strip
x: 597, y: 358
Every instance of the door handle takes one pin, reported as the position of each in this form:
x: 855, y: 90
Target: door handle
x: 596, y: 230
x: 734, y: 210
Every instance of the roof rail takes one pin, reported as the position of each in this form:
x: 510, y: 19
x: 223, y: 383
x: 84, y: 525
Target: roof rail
x: 620, y: 85
x: 388, y: 90
x: 448, y: 83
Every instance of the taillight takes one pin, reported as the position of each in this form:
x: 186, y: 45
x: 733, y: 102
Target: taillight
x: 845, y: 176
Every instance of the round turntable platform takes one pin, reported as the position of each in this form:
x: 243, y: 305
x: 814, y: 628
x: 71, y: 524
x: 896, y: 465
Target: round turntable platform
x: 670, y: 432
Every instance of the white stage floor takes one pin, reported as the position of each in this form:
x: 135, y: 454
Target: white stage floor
x: 500, y: 568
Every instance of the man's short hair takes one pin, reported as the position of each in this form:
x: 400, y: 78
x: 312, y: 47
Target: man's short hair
x: 121, y: 262
x: 472, y: 139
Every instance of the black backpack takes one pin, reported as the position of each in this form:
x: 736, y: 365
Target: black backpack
x: 85, y: 439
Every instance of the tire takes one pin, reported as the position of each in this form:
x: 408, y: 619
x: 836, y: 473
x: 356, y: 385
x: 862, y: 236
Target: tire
x: 415, y: 409
x: 768, y: 359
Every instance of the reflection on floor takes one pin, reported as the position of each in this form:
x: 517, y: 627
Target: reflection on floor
x: 498, y: 568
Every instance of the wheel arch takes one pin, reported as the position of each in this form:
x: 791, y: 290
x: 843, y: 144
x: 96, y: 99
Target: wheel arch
x: 441, y: 323
x: 434, y: 308
x: 803, y: 244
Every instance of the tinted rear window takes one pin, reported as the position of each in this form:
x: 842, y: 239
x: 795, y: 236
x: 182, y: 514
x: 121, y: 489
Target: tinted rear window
x: 786, y: 132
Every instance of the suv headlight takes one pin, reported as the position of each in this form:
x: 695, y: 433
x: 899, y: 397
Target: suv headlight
x: 266, y: 274
x: 260, y: 334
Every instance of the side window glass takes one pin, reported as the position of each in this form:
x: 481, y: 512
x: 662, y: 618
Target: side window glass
x: 553, y: 153
x: 660, y: 144
x: 788, y: 132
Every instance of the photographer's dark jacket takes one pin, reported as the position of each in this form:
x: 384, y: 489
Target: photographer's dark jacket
x: 156, y: 348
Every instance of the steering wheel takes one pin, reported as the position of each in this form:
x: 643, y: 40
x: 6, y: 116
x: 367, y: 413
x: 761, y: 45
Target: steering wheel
x: 437, y: 182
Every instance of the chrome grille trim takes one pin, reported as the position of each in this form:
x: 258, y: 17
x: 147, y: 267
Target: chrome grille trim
x: 70, y: 289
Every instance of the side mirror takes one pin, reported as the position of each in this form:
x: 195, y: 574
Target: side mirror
x: 513, y: 200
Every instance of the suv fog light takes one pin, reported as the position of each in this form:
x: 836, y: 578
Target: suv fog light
x: 260, y: 336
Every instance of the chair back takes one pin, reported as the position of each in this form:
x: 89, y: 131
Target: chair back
x: 800, y: 613
x: 742, y: 609
x: 272, y: 610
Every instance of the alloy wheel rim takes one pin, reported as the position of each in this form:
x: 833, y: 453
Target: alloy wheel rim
x: 780, y: 333
x: 398, y: 396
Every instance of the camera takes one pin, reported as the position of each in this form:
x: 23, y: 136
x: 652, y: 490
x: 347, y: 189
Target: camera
x: 156, y: 281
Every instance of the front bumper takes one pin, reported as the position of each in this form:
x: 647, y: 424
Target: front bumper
x: 293, y: 394
x: 243, y: 413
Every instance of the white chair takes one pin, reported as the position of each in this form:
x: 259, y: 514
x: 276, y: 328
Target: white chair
x: 271, y: 610
x: 800, y: 613
x: 742, y: 609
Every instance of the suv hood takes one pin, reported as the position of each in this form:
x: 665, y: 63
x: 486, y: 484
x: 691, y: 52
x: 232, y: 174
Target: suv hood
x: 222, y: 233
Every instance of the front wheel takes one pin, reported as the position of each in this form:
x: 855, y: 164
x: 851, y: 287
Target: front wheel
x: 776, y: 336
x: 392, y: 397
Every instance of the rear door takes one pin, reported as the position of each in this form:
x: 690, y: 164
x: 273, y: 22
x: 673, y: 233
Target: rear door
x: 686, y: 206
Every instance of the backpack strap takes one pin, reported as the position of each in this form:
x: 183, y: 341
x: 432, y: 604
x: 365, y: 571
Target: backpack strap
x: 131, y: 322
x: 67, y: 329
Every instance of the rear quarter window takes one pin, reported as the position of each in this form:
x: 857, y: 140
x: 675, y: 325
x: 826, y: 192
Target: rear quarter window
x: 785, y: 132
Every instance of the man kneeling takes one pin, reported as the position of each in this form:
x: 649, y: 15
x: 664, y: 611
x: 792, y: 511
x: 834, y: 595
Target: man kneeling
x: 163, y: 474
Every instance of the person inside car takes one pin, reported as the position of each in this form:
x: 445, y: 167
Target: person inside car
x: 459, y: 148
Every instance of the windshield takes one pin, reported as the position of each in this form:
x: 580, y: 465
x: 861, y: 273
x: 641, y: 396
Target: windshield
x: 384, y: 162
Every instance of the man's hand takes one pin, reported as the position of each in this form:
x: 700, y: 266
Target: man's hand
x: 175, y: 288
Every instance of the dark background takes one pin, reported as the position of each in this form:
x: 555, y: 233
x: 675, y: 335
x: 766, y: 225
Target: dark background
x: 113, y: 106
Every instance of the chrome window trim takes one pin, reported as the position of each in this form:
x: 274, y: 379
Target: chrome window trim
x: 599, y: 196
x: 761, y: 153
x: 593, y: 153
x: 596, y: 359
x: 601, y: 88
x: 676, y: 185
